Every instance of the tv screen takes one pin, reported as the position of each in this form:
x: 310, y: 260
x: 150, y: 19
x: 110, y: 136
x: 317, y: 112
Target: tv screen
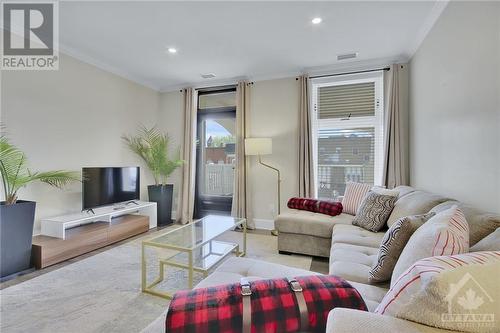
x: 106, y: 186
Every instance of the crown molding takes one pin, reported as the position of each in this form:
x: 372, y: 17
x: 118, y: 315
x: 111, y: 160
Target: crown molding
x: 426, y: 27
x: 318, y: 70
x: 106, y: 67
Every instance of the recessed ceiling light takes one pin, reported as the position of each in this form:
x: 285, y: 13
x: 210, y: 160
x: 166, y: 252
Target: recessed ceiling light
x: 316, y: 20
x: 172, y: 50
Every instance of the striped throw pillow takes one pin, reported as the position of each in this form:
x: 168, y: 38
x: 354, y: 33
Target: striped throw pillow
x: 353, y: 196
x: 446, y: 233
x: 448, y: 291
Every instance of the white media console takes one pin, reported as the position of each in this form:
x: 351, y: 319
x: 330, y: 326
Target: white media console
x: 56, y: 226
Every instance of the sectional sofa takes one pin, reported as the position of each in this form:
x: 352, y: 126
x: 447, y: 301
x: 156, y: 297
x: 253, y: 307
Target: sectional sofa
x: 352, y: 251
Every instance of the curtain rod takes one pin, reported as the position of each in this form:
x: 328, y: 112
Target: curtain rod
x: 358, y: 72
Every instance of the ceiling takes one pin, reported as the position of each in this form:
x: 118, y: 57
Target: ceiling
x: 255, y: 40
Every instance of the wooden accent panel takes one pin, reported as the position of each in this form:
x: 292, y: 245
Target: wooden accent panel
x: 125, y: 226
x: 48, y: 251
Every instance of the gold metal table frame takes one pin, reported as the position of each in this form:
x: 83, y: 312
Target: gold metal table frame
x: 191, y: 251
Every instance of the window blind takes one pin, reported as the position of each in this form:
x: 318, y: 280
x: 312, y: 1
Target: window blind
x: 339, y: 101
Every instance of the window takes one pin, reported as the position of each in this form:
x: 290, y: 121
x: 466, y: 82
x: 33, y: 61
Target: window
x: 348, y: 125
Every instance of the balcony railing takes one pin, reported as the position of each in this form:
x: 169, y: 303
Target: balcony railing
x: 332, y: 178
x: 219, y: 179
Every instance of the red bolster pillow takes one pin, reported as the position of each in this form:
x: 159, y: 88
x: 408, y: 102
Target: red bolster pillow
x: 332, y: 208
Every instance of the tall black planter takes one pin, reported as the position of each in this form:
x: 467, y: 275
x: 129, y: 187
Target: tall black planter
x: 16, y: 232
x: 162, y: 195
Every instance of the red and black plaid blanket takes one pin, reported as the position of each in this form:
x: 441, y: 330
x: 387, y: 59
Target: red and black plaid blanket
x: 273, y: 303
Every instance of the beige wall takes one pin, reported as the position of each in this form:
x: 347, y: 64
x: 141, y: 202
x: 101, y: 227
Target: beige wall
x: 273, y: 113
x: 71, y: 118
x: 454, y: 106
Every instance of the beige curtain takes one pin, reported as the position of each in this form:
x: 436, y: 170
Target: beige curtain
x: 239, y: 208
x: 186, y: 196
x: 306, y: 159
x: 396, y: 170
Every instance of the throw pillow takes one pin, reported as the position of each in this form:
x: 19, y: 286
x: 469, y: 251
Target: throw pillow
x: 393, y: 244
x: 303, y: 204
x: 488, y: 243
x: 353, y: 196
x: 331, y: 208
x: 296, y: 203
x: 374, y: 211
x: 457, y: 292
x: 446, y: 233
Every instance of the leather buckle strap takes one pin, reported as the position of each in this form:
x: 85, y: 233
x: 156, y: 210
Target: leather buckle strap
x: 301, y: 302
x: 295, y: 285
x: 246, y: 293
x: 246, y: 290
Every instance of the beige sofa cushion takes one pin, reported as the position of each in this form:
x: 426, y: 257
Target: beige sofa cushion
x: 233, y: 269
x: 481, y: 224
x: 404, y: 190
x: 352, y: 262
x: 488, y: 243
x: 372, y: 295
x: 342, y: 320
x: 351, y: 234
x: 308, y: 223
x: 414, y: 203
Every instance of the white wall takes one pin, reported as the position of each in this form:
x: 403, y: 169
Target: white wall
x: 171, y: 121
x: 273, y: 113
x: 454, y: 106
x: 71, y: 118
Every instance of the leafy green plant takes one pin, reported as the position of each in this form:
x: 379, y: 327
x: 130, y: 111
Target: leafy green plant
x: 152, y: 146
x: 15, y: 173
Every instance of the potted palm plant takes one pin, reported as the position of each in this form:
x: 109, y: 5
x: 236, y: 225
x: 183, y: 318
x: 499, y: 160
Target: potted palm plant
x: 152, y: 147
x: 17, y: 216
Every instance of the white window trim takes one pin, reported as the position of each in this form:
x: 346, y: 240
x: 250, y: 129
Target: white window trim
x: 376, y: 121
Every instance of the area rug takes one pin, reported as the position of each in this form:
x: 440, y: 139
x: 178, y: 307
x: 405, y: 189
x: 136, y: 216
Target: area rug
x: 102, y: 293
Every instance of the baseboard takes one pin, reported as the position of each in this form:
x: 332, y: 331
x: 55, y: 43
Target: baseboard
x: 264, y: 224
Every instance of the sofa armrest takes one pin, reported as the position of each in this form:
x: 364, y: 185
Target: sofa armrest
x: 349, y: 320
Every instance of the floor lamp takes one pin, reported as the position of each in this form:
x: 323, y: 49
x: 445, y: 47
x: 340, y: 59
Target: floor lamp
x: 259, y: 147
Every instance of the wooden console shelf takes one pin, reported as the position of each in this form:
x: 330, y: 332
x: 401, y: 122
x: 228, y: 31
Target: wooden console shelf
x: 48, y: 250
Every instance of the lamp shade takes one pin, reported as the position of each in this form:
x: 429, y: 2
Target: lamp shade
x: 258, y: 146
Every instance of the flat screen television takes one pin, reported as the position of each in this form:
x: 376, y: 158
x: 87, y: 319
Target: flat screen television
x: 106, y: 186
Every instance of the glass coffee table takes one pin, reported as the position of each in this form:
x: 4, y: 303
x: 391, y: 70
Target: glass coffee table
x: 195, y: 249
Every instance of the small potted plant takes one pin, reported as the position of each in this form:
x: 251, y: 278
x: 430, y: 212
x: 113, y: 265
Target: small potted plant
x: 152, y: 147
x: 17, y: 216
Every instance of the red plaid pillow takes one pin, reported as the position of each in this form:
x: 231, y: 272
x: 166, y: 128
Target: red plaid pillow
x: 332, y: 208
x: 296, y: 203
x: 311, y: 205
x: 273, y: 305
